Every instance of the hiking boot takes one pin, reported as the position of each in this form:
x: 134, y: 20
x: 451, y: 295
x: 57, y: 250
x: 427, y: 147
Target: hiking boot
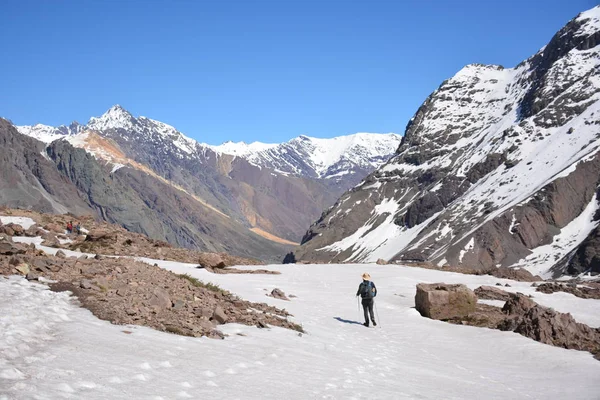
x: 366, y: 324
x: 374, y: 323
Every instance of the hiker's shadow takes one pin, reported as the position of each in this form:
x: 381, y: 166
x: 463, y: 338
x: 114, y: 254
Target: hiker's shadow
x: 347, y: 321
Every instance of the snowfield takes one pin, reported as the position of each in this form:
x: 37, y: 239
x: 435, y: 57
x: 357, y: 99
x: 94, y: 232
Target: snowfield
x: 52, y: 349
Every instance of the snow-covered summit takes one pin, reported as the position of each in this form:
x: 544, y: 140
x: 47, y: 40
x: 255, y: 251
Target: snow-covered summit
x: 47, y: 134
x: 116, y: 117
x: 323, y: 158
x: 590, y: 20
x: 304, y: 155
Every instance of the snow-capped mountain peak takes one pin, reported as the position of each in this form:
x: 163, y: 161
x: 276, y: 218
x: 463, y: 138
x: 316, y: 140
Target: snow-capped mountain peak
x: 116, y: 117
x: 47, y: 134
x: 322, y: 158
x: 353, y: 155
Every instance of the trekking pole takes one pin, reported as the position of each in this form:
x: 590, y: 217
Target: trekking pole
x: 377, y: 313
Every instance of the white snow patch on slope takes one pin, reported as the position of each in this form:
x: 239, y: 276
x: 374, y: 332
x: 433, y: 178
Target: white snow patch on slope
x: 542, y: 258
x: 25, y: 222
x: 370, y: 243
x: 44, y: 334
x: 116, y: 167
x: 43, y: 133
x: 242, y: 149
x: 468, y: 247
x: 592, y: 21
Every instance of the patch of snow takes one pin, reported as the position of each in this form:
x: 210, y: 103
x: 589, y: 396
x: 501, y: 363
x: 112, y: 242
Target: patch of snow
x: 44, y: 334
x: 542, y: 258
x: 468, y: 247
x: 495, y: 303
x: 116, y: 167
x: 25, y: 222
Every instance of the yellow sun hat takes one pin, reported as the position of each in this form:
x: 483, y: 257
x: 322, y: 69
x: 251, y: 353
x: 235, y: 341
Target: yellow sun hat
x: 366, y: 276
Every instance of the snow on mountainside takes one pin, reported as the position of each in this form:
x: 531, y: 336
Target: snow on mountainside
x: 47, y: 134
x: 322, y: 158
x: 275, y: 190
x: 493, y: 165
x: 303, y: 156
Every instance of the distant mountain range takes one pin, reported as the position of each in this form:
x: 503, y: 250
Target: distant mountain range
x: 251, y: 200
x: 498, y: 167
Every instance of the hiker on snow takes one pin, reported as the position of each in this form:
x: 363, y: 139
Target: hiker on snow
x: 367, y: 291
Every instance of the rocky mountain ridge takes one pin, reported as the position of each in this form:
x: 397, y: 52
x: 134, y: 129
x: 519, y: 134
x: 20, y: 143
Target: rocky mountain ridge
x: 498, y: 167
x: 262, y: 195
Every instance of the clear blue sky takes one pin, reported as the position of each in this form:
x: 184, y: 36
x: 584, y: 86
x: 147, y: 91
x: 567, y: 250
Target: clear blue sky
x: 265, y: 70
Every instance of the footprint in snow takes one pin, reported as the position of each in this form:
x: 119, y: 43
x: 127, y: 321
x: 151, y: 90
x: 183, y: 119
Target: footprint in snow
x: 86, y: 385
x: 209, y: 374
x: 145, y: 366
x: 115, y: 379
x: 140, y: 377
x: 63, y: 387
x: 186, y: 384
x: 230, y: 371
x: 211, y: 383
x: 184, y: 395
x: 166, y: 364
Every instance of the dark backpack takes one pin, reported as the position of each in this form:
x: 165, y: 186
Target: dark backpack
x: 368, y: 290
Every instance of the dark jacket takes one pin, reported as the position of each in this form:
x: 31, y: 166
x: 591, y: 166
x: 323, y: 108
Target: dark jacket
x: 363, y: 290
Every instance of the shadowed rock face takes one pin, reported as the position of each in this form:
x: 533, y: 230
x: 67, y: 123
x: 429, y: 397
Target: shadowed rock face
x: 495, y: 163
x: 29, y: 179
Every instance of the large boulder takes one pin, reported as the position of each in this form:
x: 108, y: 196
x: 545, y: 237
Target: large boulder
x: 211, y: 260
x: 444, y: 301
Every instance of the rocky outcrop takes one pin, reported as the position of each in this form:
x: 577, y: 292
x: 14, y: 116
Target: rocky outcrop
x: 497, y: 162
x: 444, y: 301
x: 491, y: 293
x: 29, y: 179
x: 276, y: 190
x: 522, y: 315
x: 278, y: 294
x: 545, y: 325
x: 125, y: 292
x: 585, y: 291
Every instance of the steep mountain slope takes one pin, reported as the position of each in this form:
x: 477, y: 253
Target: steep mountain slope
x: 260, y: 193
x: 61, y: 178
x: 497, y: 167
x: 29, y: 179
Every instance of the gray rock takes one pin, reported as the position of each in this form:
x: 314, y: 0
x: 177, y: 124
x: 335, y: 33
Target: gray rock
x: 219, y: 315
x: 31, y: 276
x: 85, y: 284
x: 491, y: 293
x: 160, y: 298
x: 444, y: 301
x: 278, y: 294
